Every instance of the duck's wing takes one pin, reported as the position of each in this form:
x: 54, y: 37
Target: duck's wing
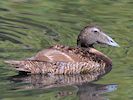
x: 69, y: 54
x: 59, y: 53
x: 52, y: 55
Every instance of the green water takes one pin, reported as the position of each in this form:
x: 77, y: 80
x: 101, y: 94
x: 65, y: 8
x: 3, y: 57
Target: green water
x: 27, y: 26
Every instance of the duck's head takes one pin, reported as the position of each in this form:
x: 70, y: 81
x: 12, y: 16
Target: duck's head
x: 91, y: 35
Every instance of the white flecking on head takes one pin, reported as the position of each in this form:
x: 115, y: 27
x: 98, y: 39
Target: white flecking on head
x: 94, y: 29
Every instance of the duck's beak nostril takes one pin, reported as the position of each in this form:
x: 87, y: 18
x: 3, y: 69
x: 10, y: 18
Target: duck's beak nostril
x: 111, y: 42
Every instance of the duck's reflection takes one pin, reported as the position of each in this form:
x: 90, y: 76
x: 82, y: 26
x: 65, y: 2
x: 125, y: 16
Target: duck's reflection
x: 50, y: 81
x: 89, y: 91
x: 85, y: 90
x: 95, y: 91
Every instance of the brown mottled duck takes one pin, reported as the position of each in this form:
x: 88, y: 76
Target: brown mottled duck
x: 60, y: 59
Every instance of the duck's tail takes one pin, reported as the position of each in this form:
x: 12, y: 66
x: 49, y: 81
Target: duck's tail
x: 31, y: 66
x: 12, y: 62
x: 18, y: 65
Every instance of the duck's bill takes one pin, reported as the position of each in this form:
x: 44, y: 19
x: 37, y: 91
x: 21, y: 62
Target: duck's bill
x: 107, y: 40
x: 111, y: 42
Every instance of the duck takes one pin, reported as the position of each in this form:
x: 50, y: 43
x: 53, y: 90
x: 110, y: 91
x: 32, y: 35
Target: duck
x: 61, y: 59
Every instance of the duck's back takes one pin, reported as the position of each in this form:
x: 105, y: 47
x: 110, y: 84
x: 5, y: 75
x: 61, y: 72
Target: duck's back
x: 61, y: 53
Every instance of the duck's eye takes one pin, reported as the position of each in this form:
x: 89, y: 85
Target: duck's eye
x: 95, y: 31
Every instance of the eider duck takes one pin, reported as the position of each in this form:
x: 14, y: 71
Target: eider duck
x: 60, y: 59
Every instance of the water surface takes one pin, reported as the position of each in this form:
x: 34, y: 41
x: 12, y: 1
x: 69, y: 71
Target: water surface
x: 27, y: 26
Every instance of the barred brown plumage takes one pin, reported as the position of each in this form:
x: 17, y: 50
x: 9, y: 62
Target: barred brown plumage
x: 60, y: 59
x: 37, y: 67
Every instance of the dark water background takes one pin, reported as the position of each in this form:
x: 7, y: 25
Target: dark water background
x: 27, y: 26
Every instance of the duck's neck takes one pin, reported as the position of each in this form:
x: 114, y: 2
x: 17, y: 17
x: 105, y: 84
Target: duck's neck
x: 83, y: 42
x: 84, y: 45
